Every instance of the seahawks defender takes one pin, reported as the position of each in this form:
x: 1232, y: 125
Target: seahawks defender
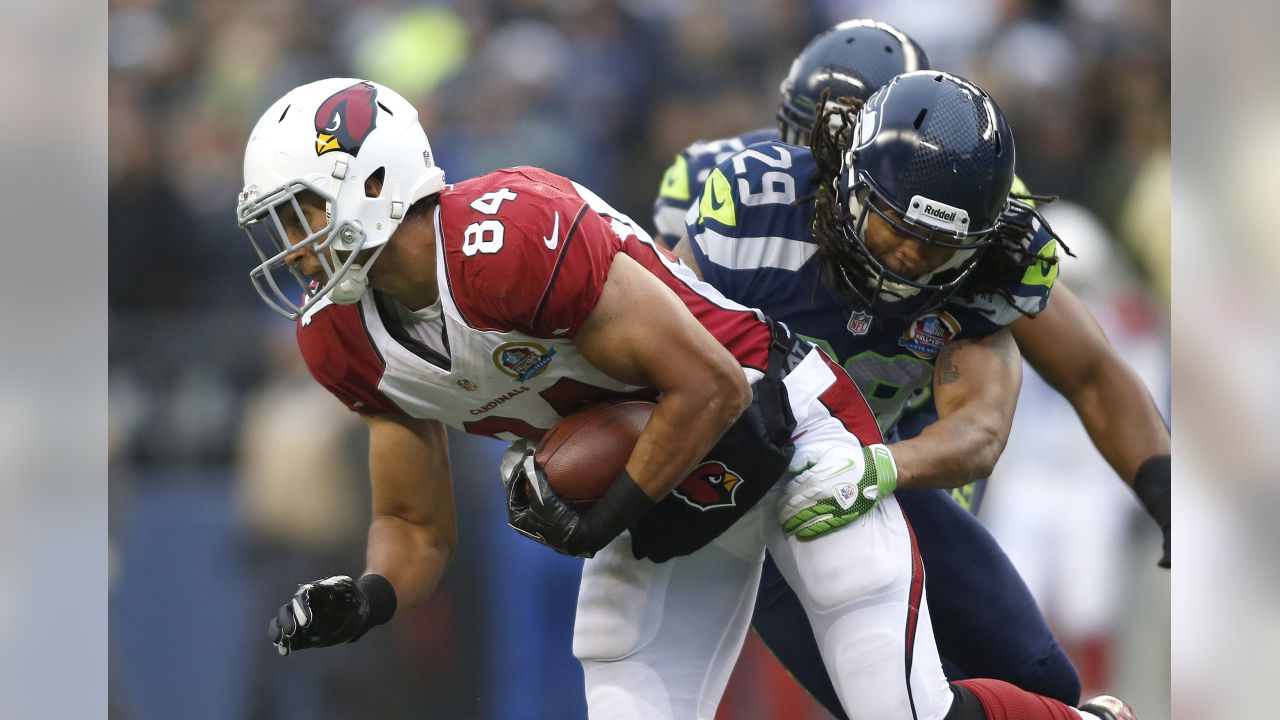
x: 759, y: 247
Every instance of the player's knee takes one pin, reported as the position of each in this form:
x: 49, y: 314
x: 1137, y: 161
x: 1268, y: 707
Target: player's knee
x: 615, y: 617
x: 600, y: 643
x: 1054, y: 676
x: 607, y: 629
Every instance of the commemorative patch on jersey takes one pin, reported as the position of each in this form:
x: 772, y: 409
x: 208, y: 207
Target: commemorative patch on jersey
x: 710, y: 485
x: 522, y: 361
x: 926, y: 335
x: 859, y: 323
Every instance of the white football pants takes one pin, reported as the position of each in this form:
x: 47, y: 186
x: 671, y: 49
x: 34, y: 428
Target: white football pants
x: 658, y: 641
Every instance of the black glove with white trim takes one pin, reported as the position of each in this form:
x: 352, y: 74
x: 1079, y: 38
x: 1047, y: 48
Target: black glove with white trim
x: 539, y: 513
x: 332, y: 611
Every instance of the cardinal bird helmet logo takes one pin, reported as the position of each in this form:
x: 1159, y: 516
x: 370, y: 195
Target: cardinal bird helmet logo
x: 346, y: 118
x: 710, y: 485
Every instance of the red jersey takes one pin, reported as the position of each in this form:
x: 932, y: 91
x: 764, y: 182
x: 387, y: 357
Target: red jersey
x: 521, y: 260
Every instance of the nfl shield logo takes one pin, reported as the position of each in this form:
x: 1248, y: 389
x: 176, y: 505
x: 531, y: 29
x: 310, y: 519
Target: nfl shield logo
x: 859, y: 322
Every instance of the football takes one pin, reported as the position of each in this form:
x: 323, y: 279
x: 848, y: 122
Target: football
x: 583, y: 454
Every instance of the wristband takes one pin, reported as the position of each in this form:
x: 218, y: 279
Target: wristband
x: 381, y: 596
x: 1151, y: 485
x: 621, y: 506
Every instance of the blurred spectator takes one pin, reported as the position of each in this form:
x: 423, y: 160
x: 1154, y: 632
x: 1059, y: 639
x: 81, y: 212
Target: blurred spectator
x: 304, y: 509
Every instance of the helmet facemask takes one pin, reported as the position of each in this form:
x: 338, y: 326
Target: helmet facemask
x: 337, y: 246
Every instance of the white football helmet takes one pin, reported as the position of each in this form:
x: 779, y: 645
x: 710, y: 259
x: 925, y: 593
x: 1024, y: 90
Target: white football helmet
x: 329, y: 137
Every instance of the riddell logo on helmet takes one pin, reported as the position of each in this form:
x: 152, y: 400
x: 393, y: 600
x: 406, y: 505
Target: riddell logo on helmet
x: 345, y: 119
x: 939, y: 213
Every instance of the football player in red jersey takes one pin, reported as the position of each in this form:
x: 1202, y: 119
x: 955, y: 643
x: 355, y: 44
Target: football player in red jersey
x: 501, y: 304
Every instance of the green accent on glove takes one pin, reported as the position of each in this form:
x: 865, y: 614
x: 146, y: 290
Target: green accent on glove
x: 852, y: 501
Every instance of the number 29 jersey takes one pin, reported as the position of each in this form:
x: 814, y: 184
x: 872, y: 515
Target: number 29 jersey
x: 521, y: 259
x: 753, y: 242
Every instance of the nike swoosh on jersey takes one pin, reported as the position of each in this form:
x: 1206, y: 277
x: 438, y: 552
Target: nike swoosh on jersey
x: 554, y: 240
x: 717, y: 202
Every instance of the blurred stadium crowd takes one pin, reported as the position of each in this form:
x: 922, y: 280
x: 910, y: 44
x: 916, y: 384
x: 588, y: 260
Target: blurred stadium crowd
x: 233, y: 476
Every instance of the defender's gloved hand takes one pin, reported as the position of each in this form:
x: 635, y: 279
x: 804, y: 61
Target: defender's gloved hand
x: 827, y: 496
x: 332, y: 611
x: 539, y: 513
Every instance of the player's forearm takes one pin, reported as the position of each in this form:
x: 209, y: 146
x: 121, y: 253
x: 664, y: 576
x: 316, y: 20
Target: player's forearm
x: 684, y: 426
x: 411, y: 556
x: 950, y: 453
x: 1121, y: 418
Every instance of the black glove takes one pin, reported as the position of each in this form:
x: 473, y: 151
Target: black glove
x: 1152, y: 485
x: 331, y: 611
x: 544, y: 516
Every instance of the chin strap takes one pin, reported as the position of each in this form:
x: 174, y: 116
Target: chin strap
x: 351, y: 287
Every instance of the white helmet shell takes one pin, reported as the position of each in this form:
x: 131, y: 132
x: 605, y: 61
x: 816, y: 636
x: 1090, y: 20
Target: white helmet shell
x: 330, y: 137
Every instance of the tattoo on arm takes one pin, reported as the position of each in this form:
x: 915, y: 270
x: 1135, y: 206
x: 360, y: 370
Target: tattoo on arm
x: 945, y: 369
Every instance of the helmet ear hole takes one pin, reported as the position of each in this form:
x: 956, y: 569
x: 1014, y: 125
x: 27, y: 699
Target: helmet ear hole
x: 373, y: 184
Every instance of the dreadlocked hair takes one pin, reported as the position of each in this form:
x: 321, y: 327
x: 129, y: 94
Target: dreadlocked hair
x: 1004, y: 260
x: 844, y: 268
x: 1009, y: 254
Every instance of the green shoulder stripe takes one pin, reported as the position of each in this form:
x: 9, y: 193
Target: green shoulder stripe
x: 675, y: 183
x: 1045, y: 271
x: 717, y: 201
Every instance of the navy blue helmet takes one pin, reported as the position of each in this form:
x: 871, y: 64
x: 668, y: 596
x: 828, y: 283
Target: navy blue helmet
x: 931, y: 154
x: 853, y: 60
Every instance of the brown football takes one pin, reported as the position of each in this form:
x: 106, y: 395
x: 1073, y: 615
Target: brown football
x: 583, y: 454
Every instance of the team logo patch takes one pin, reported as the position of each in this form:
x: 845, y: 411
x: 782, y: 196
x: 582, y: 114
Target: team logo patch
x: 346, y: 118
x: 522, y: 361
x: 859, y: 322
x: 926, y: 335
x: 710, y: 485
x: 467, y: 385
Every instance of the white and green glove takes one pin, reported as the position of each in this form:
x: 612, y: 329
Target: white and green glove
x: 828, y: 495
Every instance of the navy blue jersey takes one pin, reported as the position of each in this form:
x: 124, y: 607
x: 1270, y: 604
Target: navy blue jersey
x: 753, y: 243
x: 682, y: 183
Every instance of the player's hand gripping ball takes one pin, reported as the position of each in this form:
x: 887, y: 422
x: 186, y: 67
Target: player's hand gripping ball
x: 554, y: 484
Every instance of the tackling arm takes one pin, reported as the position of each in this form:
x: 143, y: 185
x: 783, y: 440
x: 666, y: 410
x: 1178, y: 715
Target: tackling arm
x: 975, y: 388
x: 1065, y: 345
